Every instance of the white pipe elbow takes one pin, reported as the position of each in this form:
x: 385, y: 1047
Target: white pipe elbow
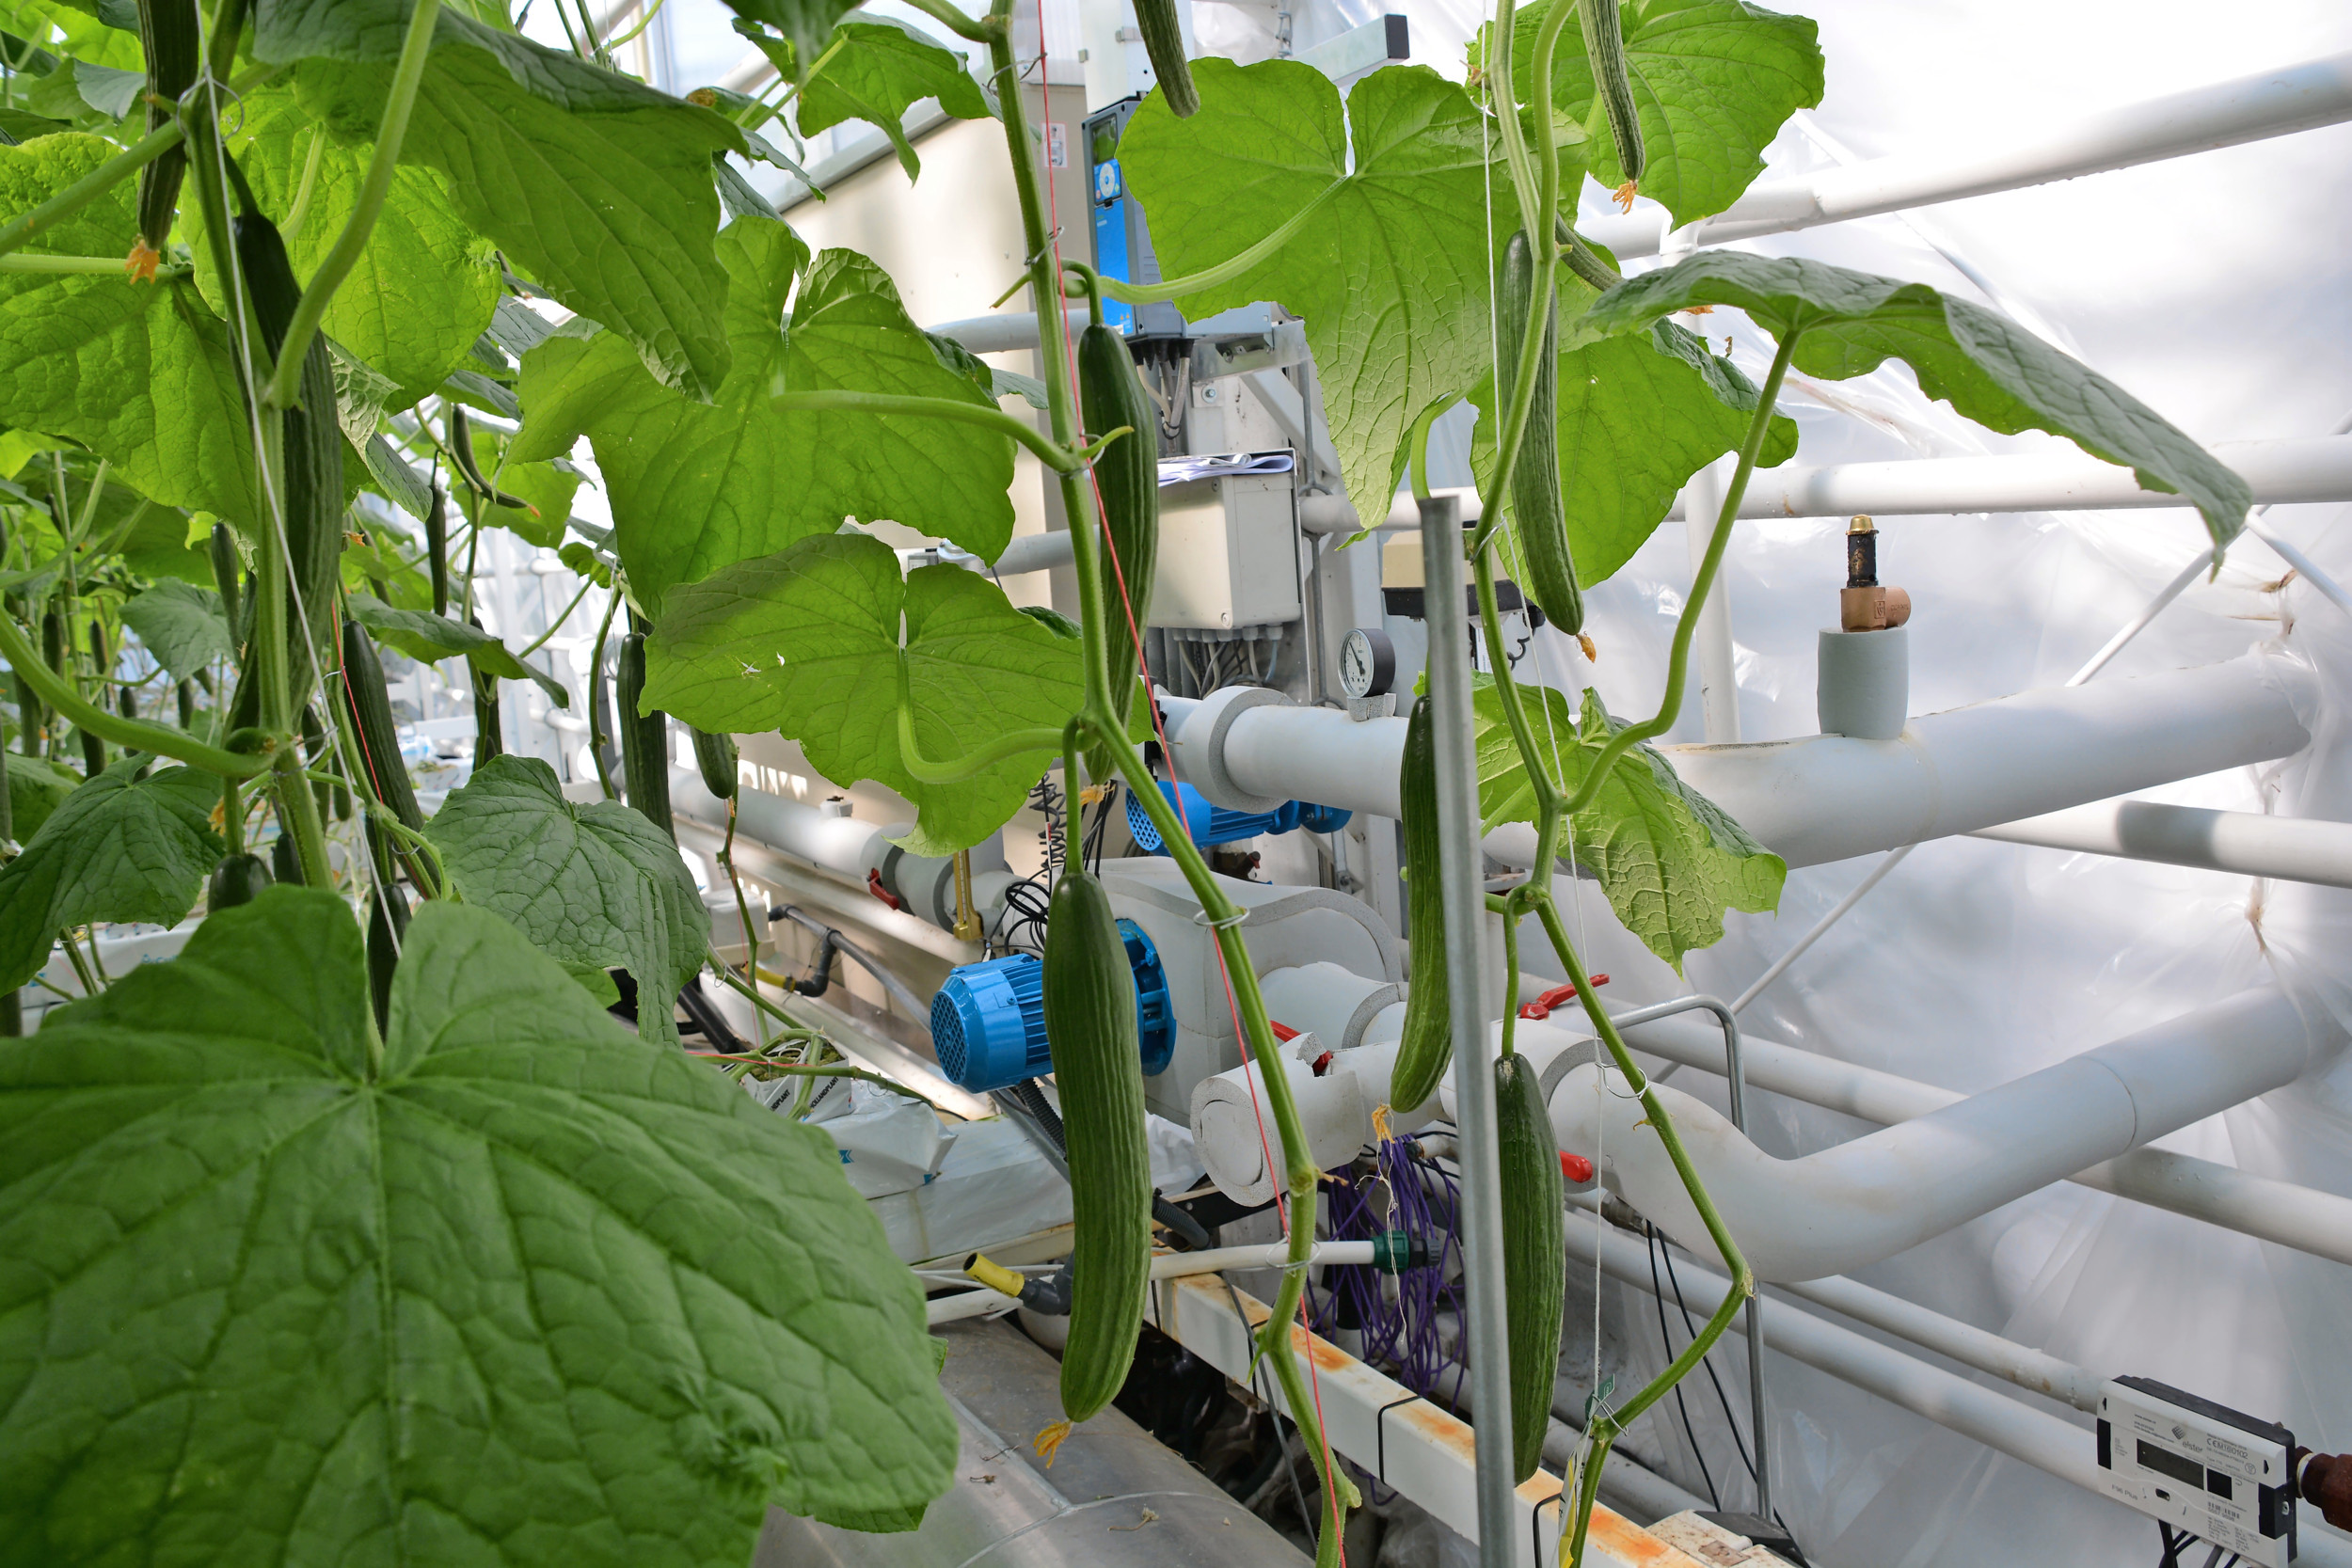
x: 1854, y: 1204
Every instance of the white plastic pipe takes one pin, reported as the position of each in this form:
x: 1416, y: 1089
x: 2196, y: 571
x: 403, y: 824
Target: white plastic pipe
x: 2292, y: 848
x: 832, y: 842
x: 2248, y: 108
x: 1853, y: 1204
x: 1826, y: 798
x: 2271, y: 1210
x: 1965, y: 1344
x: 2063, y: 479
x: 1001, y: 331
x: 1038, y: 552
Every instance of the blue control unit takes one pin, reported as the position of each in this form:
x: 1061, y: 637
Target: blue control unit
x: 1210, y: 824
x: 988, y: 1021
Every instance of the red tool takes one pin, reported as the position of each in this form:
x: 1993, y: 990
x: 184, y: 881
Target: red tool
x: 1577, y: 1169
x: 1539, y: 1009
x: 874, y: 886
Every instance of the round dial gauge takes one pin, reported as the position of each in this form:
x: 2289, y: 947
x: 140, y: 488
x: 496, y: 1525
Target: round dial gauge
x: 1367, y: 662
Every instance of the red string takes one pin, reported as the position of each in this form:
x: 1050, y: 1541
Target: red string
x: 1126, y: 603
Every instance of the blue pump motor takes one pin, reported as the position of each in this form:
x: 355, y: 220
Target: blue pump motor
x: 1210, y: 824
x: 988, y: 1021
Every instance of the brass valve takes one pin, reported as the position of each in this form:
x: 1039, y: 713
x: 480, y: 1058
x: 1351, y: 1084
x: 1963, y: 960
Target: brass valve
x: 1863, y: 604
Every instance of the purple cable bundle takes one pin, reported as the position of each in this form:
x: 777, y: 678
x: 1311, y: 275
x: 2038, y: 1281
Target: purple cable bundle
x: 1401, y: 1336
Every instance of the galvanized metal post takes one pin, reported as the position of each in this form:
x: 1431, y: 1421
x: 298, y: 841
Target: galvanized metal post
x: 1445, y: 602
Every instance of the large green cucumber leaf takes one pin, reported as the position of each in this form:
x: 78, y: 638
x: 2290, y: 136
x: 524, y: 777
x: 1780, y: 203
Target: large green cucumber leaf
x: 1713, y: 82
x: 36, y: 787
x: 424, y: 286
x: 1670, y: 861
x: 807, y: 641
x: 140, y: 373
x: 429, y: 638
x: 119, y: 848
x: 695, y: 487
x: 517, y: 1288
x: 878, y: 71
x: 1983, y: 364
x: 592, y: 184
x: 1389, y: 270
x: 805, y: 24
x: 184, y: 627
x: 598, y: 886
x: 1637, y: 415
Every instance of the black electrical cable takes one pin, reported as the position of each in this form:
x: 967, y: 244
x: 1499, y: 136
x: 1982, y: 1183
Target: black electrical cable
x: 1658, y: 1293
x: 1721, y: 1397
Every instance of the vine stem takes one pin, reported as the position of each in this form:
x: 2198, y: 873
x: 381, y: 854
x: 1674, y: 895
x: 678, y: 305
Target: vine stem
x: 79, y: 265
x: 990, y: 29
x: 1061, y: 457
x: 1677, y: 660
x: 133, y: 734
x: 1273, y: 1341
x: 285, y: 384
x: 1224, y: 272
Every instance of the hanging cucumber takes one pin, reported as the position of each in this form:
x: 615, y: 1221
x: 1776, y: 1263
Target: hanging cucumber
x: 1534, y: 1255
x: 715, y: 756
x: 388, y: 927
x: 369, y: 709
x: 644, y: 740
x: 1427, y: 1040
x: 223, y: 546
x: 237, y: 879
x: 1127, y: 475
x: 1090, y: 995
x: 172, y: 37
x: 1164, y: 41
x: 1604, y: 49
x: 1543, y: 524
x: 437, y: 547
x: 313, y: 451
x: 489, y: 729
x: 285, y: 863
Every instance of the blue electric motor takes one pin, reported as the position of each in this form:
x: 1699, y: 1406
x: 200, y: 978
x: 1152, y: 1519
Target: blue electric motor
x: 1210, y: 824
x: 988, y: 1021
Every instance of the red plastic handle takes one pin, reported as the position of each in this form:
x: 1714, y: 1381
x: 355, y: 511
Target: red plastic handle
x: 874, y: 886
x: 1577, y: 1169
x: 1539, y: 1009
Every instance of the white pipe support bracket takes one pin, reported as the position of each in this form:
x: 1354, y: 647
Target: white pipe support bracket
x: 1855, y: 1203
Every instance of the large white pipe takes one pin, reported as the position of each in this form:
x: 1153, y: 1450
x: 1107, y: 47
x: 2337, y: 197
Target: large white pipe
x: 1826, y: 798
x: 1856, y: 1203
x: 2292, y: 848
x: 833, y: 843
x: 2271, y: 1210
x: 2063, y: 479
x: 1965, y: 1344
x: 2248, y: 108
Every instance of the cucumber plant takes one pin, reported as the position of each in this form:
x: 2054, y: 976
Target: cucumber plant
x: 404, y: 1240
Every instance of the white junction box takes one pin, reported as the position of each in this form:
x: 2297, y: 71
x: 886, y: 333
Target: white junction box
x: 1229, y: 553
x: 2217, y: 1473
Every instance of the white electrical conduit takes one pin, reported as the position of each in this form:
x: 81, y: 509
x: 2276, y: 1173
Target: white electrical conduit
x: 2270, y: 1210
x: 1858, y: 1202
x: 2035, y: 1437
x: 2269, y: 103
x: 1827, y: 798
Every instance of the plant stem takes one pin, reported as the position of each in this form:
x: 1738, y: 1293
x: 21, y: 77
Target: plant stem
x: 1010, y: 744
x: 76, y: 265
x: 1059, y: 458
x: 980, y: 30
x: 285, y: 384
x: 1678, y: 660
x: 557, y: 624
x: 131, y: 734
x: 300, y: 212
x: 1224, y: 272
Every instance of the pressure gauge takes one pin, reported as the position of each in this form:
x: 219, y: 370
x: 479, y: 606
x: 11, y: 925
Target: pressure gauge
x: 1367, y: 663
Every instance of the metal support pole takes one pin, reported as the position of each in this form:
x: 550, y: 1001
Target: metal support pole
x: 1446, y: 598
x: 1725, y: 1015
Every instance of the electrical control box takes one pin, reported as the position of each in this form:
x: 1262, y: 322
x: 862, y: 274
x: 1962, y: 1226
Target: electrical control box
x: 1229, y: 553
x: 2217, y: 1473
x: 1123, y: 241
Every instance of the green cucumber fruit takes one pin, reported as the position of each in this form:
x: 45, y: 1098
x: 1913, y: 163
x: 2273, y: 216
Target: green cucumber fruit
x: 285, y: 861
x: 369, y: 709
x: 644, y: 740
x: 238, y: 879
x: 388, y: 927
x: 489, y: 729
x: 172, y: 37
x: 1542, y: 523
x: 313, y: 453
x: 1164, y: 41
x: 1127, y: 476
x: 1090, y: 995
x: 1604, y: 49
x: 1534, y: 1255
x: 715, y: 756
x: 1428, y: 1041
x: 224, y: 576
